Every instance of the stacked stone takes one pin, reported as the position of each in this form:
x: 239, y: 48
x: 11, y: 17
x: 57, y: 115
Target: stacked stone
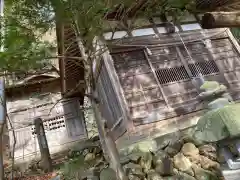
x: 221, y: 124
x: 214, y: 95
x: 178, y: 158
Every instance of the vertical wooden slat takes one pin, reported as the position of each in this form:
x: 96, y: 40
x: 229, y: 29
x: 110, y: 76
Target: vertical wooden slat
x: 156, y: 78
x: 61, y: 49
x: 184, y: 62
x: 233, y: 41
x: 118, y: 89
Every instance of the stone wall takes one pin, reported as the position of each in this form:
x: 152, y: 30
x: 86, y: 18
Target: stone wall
x: 175, y: 156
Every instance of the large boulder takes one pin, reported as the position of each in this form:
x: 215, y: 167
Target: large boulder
x: 183, y: 164
x: 89, y: 157
x: 146, y: 161
x: 189, y: 149
x: 210, y: 86
x: 219, y: 124
x: 163, y: 165
x: 153, y: 175
x: 108, y: 174
x: 174, y: 146
x: 133, y: 177
x: 140, y: 147
x: 208, y: 164
x: 210, y: 127
x: 134, y: 169
x: 208, y: 150
x: 182, y: 175
x: 218, y: 103
x: 201, y: 174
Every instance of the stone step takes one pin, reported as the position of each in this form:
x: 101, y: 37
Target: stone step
x: 233, y: 163
x: 230, y: 174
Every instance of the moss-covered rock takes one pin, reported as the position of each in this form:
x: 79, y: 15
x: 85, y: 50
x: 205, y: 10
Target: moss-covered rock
x: 108, y: 174
x: 218, y: 103
x: 219, y: 124
x: 210, y: 85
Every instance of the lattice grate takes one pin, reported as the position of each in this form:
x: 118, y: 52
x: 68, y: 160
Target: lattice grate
x: 51, y: 124
x: 204, y: 67
x: 168, y: 75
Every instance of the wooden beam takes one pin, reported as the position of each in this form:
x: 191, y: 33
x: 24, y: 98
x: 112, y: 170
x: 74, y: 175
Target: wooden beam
x: 220, y: 19
x: 46, y: 161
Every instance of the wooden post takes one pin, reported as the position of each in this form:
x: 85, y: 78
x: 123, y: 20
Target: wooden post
x: 109, y: 143
x: 2, y: 123
x: 1, y: 157
x: 220, y: 20
x: 43, y: 146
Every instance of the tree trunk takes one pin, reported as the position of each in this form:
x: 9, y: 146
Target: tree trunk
x: 220, y: 20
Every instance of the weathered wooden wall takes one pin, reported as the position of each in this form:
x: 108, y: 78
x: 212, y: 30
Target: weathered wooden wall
x: 63, y: 122
x: 161, y: 81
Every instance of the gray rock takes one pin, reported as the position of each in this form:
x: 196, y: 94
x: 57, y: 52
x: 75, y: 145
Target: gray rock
x: 218, y: 103
x: 189, y: 149
x: 174, y: 146
x: 108, y: 174
x: 93, y: 178
x: 201, y: 174
x: 134, y: 169
x: 91, y: 174
x: 97, y: 150
x: 135, y: 157
x: 124, y: 160
x: 101, y: 165
x: 146, y: 161
x: 191, y: 138
x: 143, y: 146
x: 89, y: 157
x: 133, y: 177
x: 95, y: 138
x: 85, y: 152
x: 176, y: 177
x: 183, y: 164
x: 161, y: 154
x: 153, y: 175
x: 208, y: 163
x: 209, y: 151
x: 163, y: 165
x: 195, y: 159
x: 184, y: 176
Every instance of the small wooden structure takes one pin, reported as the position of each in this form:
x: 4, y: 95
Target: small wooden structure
x: 148, y: 76
x: 40, y: 96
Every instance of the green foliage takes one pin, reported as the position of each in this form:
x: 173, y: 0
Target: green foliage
x: 88, y: 15
x: 25, y: 23
x: 73, y: 168
x: 236, y: 33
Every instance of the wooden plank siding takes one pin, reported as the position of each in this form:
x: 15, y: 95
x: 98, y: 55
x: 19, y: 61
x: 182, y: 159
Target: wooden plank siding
x: 71, y: 66
x: 145, y: 94
x: 111, y: 105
